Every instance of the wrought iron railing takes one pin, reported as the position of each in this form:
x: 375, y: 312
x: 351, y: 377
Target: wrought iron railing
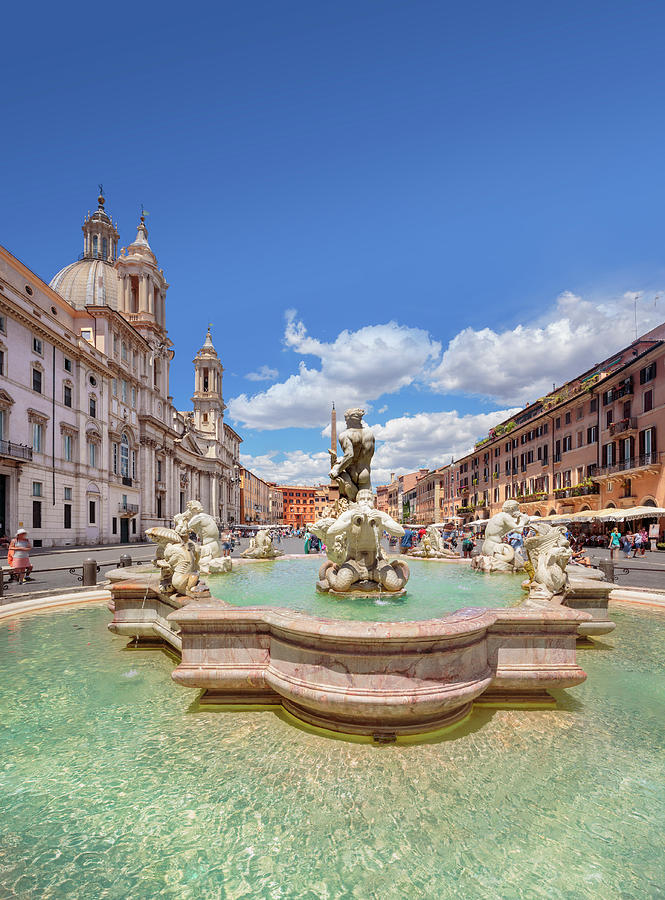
x: 633, y: 462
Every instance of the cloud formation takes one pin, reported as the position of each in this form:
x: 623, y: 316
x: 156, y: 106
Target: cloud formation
x: 403, y: 444
x: 354, y: 369
x: 265, y: 373
x: 519, y: 365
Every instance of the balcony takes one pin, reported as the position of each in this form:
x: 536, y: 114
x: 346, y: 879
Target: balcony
x: 646, y: 462
x: 127, y: 510
x: 629, y: 424
x: 13, y: 450
x: 535, y: 497
x: 578, y: 490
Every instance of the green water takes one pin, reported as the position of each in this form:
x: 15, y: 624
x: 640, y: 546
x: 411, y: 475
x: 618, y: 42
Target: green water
x: 114, y: 785
x: 434, y: 589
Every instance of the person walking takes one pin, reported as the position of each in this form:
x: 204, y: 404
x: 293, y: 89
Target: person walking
x: 467, y: 546
x: 18, y: 556
x: 626, y: 545
x: 644, y: 535
x: 615, y: 541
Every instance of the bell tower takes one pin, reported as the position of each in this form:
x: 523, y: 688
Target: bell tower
x: 208, y: 401
x: 142, y: 285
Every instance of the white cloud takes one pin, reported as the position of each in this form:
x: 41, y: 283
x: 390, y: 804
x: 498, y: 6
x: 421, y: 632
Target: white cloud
x: 355, y: 369
x: 519, y: 365
x: 403, y: 445
x: 265, y: 373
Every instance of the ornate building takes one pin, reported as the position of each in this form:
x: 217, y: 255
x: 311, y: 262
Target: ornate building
x: 92, y: 449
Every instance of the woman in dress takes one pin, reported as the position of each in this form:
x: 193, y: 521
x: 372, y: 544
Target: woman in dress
x: 19, y: 556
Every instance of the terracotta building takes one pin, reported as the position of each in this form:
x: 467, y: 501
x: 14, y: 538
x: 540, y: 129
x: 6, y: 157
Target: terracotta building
x: 299, y: 504
x: 254, y: 499
x: 590, y: 444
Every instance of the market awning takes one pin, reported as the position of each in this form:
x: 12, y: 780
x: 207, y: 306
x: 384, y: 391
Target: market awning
x: 609, y: 514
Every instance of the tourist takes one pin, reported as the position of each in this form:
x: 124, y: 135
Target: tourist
x: 644, y: 534
x: 18, y: 556
x: 227, y: 542
x: 626, y: 545
x: 308, y: 541
x: 637, y: 543
x: 407, y: 539
x: 467, y: 546
x: 615, y: 541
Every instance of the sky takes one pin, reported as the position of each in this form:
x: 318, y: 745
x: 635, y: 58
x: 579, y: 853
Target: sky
x: 433, y: 210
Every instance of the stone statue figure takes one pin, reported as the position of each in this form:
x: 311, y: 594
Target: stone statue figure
x: 549, y: 553
x: 177, y: 558
x: 352, y: 471
x: 495, y: 555
x: 205, y: 528
x: 432, y: 546
x: 365, y: 567
x: 261, y: 547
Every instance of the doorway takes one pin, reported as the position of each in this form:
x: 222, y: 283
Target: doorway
x: 124, y: 531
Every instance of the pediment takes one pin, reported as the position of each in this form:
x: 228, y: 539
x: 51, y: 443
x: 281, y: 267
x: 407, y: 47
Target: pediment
x: 189, y: 443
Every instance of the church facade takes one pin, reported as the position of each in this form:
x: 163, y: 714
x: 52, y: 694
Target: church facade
x: 92, y: 448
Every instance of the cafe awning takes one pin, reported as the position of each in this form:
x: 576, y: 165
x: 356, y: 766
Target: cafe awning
x: 609, y: 514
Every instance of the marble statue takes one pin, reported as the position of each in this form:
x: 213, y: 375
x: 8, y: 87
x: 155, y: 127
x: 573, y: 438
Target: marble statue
x: 357, y: 561
x: 351, y: 472
x: 495, y: 555
x: 177, y: 558
x: 205, y: 528
x: 432, y: 546
x: 549, y: 553
x: 261, y: 547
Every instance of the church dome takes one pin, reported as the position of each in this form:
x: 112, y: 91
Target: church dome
x: 93, y: 280
x: 88, y: 282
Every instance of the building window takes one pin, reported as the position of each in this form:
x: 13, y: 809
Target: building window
x: 593, y: 406
x: 567, y: 418
x: 105, y: 248
x: 159, y: 470
x: 115, y: 344
x: 37, y: 381
x: 124, y: 457
x: 133, y: 463
x: 86, y: 334
x: 67, y: 364
x: 609, y: 416
x: 123, y: 391
x: 114, y: 525
x: 68, y: 447
x: 3, y: 325
x: 67, y: 523
x: 68, y: 493
x: 114, y: 387
x: 92, y: 511
x: 67, y: 399
x: 123, y: 352
x: 37, y: 346
x: 114, y: 448
x: 134, y: 397
x: 92, y: 407
x: 648, y: 373
x: 648, y: 401
x: 37, y: 437
x: 2, y: 362
x: 36, y: 489
x: 92, y: 454
x: 134, y: 526
x: 592, y: 434
x: 36, y: 514
x: 557, y: 423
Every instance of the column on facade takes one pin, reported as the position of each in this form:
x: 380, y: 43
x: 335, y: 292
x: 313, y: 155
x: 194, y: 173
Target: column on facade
x: 151, y: 296
x: 143, y: 300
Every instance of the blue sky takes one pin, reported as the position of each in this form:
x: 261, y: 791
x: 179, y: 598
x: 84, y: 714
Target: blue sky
x: 488, y: 177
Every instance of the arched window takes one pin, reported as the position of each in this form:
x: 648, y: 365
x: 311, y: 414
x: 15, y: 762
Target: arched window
x: 124, y: 456
x: 105, y: 248
x: 94, y: 245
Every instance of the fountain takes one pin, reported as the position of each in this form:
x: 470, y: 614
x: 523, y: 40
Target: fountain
x: 383, y: 679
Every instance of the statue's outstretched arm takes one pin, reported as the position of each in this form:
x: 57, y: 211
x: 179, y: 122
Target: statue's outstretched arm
x: 340, y: 526
x: 392, y: 527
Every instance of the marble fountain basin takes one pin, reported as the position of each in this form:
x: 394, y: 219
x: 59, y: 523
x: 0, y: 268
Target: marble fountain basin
x: 382, y: 679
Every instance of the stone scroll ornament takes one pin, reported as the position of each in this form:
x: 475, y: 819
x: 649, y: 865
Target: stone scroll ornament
x: 356, y: 561
x: 549, y: 553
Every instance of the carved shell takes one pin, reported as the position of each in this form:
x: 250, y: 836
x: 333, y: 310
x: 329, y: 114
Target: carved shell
x: 159, y: 535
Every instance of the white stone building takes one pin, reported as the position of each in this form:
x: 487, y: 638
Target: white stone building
x: 92, y: 449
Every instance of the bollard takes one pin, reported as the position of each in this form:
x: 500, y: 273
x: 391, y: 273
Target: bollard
x: 606, y: 566
x: 89, y: 572
x: 125, y: 560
